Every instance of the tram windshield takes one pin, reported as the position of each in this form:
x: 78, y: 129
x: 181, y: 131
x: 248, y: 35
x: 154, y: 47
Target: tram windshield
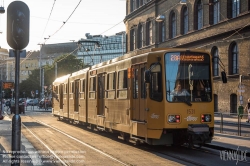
x: 188, y: 77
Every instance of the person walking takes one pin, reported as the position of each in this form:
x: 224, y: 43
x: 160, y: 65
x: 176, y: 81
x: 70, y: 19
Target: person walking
x: 46, y: 102
x: 1, y: 110
x: 247, y: 109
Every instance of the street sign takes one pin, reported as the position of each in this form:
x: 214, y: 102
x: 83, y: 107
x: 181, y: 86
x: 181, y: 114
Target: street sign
x: 12, y: 90
x: 241, y: 90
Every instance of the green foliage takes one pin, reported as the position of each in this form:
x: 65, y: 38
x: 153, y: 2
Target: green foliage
x: 66, y: 64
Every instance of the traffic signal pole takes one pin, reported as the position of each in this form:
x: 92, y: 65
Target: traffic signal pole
x: 18, y: 19
x: 16, y: 119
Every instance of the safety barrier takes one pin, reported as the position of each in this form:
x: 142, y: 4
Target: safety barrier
x: 233, y: 118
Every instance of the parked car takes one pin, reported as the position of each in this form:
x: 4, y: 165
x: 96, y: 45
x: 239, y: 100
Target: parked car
x: 31, y: 102
x: 41, y: 103
x: 21, y: 101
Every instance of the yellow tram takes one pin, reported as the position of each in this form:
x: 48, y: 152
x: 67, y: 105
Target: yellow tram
x: 135, y: 95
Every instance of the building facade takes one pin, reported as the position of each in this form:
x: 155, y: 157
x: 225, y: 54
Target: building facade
x: 33, y: 60
x: 221, y: 27
x: 97, y: 48
x: 4, y: 55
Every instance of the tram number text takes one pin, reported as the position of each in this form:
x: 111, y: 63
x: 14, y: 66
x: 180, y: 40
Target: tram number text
x: 190, y: 111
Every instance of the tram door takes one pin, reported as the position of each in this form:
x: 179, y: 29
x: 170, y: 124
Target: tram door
x: 76, y: 95
x: 101, y: 94
x: 139, y: 93
x: 61, y: 96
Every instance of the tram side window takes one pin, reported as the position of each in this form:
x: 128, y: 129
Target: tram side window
x: 66, y: 88
x: 143, y: 84
x: 83, y: 89
x: 135, y: 84
x: 122, y: 84
x: 156, y: 84
x: 111, y: 83
x: 92, y: 87
x: 101, y: 86
x: 72, y: 87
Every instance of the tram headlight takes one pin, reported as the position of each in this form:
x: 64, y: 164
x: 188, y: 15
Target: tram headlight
x: 173, y: 118
x: 206, y: 118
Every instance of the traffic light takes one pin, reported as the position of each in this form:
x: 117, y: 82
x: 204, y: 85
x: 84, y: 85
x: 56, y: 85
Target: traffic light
x: 18, y: 20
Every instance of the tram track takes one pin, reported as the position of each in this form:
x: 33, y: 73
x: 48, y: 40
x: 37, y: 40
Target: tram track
x: 177, y: 155
x: 185, y: 160
x: 60, y: 158
x: 164, y: 155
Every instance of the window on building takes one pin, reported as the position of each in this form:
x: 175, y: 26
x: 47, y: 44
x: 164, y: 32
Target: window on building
x: 233, y: 59
x: 198, y: 15
x: 184, y: 20
x: 132, y: 39
x: 143, y: 2
x: 235, y: 8
x: 162, y: 35
x: 214, y: 12
x: 132, y: 5
x: 215, y: 56
x: 149, y: 32
x: 172, y: 25
x: 233, y: 103
x: 248, y: 4
x: 140, y: 36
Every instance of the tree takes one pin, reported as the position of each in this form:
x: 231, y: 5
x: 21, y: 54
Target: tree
x: 66, y: 64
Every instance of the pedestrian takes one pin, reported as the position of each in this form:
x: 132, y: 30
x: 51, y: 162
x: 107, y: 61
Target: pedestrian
x: 1, y: 117
x: 46, y: 102
x: 8, y: 105
x: 247, y: 109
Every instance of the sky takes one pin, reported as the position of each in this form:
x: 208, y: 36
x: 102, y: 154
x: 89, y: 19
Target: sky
x: 97, y: 17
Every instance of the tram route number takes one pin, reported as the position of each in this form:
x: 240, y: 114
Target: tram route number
x: 190, y: 111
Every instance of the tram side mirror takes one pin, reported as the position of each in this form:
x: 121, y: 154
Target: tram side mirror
x: 224, y: 77
x: 147, y: 76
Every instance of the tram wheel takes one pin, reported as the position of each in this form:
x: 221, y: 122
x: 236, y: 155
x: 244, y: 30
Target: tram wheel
x: 198, y: 145
x: 92, y: 127
x: 125, y: 136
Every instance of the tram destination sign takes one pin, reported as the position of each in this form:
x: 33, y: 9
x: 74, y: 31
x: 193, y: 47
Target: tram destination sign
x: 8, y: 85
x: 189, y: 58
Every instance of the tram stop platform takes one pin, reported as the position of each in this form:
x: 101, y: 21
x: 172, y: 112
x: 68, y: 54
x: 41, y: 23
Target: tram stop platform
x: 6, y: 146
x: 232, y: 142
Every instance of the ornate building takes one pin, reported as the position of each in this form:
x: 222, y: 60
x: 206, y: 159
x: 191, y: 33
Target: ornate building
x: 221, y: 27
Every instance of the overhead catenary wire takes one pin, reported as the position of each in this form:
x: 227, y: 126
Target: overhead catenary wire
x: 49, y: 17
x: 63, y: 23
